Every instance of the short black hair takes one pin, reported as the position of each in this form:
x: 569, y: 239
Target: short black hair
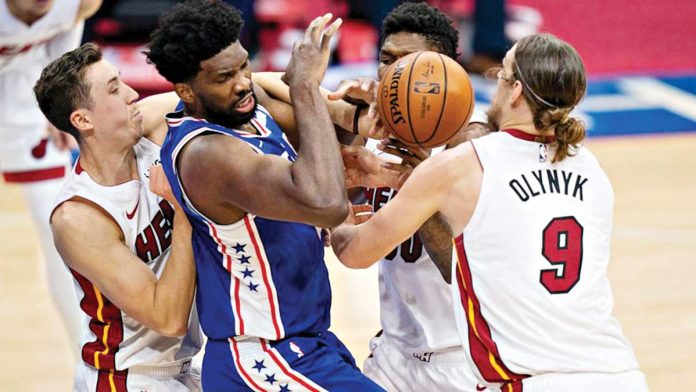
x: 192, y: 32
x: 425, y: 20
x: 62, y: 88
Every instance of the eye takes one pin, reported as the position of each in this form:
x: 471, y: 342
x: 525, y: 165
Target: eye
x: 386, y: 60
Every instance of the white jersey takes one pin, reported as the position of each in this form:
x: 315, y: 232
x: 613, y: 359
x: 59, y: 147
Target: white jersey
x: 24, y: 51
x: 111, y: 339
x: 415, y: 301
x: 530, y: 285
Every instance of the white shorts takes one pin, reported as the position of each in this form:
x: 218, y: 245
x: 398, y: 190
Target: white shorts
x: 178, y: 378
x: 631, y: 381
x: 397, y: 370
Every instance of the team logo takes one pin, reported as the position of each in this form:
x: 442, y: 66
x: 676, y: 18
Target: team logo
x: 426, y: 88
x: 296, y: 349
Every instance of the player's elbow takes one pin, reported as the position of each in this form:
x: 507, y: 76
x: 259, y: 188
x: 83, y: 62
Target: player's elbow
x: 171, y: 328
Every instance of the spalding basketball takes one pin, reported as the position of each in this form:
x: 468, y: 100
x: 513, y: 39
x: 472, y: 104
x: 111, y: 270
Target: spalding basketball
x: 425, y: 98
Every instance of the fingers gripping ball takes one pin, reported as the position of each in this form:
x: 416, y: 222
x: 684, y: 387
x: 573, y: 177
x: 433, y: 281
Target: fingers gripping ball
x: 425, y: 98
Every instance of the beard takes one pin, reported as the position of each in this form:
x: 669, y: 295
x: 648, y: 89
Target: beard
x: 229, y: 118
x: 493, y: 115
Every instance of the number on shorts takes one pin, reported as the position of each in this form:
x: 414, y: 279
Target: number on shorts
x: 562, y: 247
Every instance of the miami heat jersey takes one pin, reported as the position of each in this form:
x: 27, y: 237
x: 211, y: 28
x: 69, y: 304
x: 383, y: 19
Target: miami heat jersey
x: 256, y: 277
x: 415, y: 301
x: 530, y: 285
x: 112, y: 339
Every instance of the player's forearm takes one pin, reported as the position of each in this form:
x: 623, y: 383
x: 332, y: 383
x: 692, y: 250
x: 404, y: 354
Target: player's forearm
x: 344, y: 243
x: 318, y: 171
x: 173, y: 294
x: 436, y: 236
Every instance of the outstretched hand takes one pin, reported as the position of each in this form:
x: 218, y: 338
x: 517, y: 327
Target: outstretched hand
x: 310, y: 56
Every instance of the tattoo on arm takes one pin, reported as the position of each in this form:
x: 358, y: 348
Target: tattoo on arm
x: 436, y: 235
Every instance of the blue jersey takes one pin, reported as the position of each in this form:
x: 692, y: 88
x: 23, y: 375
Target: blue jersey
x: 256, y: 277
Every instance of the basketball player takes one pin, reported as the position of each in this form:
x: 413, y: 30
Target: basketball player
x: 128, y: 249
x: 254, y: 201
x: 533, y: 212
x: 32, y: 33
x: 419, y: 346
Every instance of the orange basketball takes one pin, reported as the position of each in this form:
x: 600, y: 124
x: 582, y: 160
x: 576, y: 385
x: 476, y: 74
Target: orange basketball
x: 425, y: 98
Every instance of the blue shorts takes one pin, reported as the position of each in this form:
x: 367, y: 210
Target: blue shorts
x: 320, y: 363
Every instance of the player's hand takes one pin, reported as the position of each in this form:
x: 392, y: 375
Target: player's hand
x: 359, y: 213
x: 360, y: 90
x: 411, y: 156
x: 62, y: 140
x: 310, y: 56
x: 159, y: 185
x: 363, y: 168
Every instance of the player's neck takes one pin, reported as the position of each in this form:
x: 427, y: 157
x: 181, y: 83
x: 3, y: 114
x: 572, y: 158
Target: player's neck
x: 25, y: 17
x: 523, y: 126
x: 109, y: 168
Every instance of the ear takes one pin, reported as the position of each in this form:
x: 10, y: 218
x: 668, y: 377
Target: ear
x: 516, y: 94
x: 184, y: 91
x: 81, y: 120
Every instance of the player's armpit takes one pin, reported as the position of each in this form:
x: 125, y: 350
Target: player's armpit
x: 91, y: 244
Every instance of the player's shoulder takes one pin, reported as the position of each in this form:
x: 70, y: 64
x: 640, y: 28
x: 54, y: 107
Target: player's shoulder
x: 77, y: 216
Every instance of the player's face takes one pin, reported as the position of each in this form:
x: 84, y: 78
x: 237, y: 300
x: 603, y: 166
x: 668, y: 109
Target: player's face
x: 223, y: 88
x: 398, y: 45
x: 496, y: 110
x: 113, y: 110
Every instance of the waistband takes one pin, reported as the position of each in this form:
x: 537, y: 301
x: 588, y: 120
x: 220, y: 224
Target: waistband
x: 168, y: 370
x: 443, y: 356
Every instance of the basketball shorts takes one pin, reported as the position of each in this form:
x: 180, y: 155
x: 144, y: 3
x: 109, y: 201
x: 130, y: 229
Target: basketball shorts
x: 318, y: 363
x: 398, y: 370
x: 25, y: 151
x: 178, y: 377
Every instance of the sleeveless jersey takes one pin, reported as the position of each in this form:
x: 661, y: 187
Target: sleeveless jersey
x: 111, y: 339
x: 530, y: 285
x: 256, y: 277
x: 415, y: 301
x: 24, y: 47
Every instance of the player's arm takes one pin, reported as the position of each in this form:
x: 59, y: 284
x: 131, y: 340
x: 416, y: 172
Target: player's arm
x: 342, y: 113
x: 153, y: 109
x: 87, y: 9
x: 91, y: 243
x: 423, y: 194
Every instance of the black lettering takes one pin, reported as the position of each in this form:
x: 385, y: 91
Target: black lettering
x: 578, y: 186
x: 394, y: 111
x: 521, y: 193
x: 539, y: 177
x: 529, y: 186
x: 552, y: 176
x: 566, y: 180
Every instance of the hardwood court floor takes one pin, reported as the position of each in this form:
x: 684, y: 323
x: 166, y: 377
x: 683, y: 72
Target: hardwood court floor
x: 652, y: 271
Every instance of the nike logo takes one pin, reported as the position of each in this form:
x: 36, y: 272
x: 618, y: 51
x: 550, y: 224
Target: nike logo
x: 132, y: 213
x: 480, y: 387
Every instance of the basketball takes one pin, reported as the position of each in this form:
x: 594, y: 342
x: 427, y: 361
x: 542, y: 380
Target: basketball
x: 425, y: 98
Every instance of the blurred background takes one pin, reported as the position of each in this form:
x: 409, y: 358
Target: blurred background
x: 640, y: 110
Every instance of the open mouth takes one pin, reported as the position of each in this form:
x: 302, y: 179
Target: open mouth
x: 246, y: 104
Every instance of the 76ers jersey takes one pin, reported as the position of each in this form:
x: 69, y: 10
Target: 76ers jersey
x: 530, y: 285
x: 256, y: 277
x: 111, y: 339
x: 415, y: 301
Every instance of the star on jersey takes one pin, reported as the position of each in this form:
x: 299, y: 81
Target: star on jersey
x: 239, y: 248
x: 247, y: 273
x: 253, y: 287
x: 259, y: 365
x: 270, y: 379
x: 244, y: 259
x: 284, y: 388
